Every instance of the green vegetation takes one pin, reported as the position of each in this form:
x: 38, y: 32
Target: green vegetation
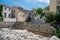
x: 54, y: 20
x: 50, y: 18
x: 47, y: 8
x: 57, y: 32
x: 1, y: 8
x: 34, y: 9
x: 39, y: 11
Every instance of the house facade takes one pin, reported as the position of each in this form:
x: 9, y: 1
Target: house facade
x: 22, y: 16
x: 18, y: 14
x: 54, y: 5
x: 15, y: 10
x: 32, y: 14
x: 6, y: 12
x: 13, y: 14
x: 35, y: 17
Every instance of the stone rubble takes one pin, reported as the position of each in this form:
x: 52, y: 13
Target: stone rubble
x: 8, y: 34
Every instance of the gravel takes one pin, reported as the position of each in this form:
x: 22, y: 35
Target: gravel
x: 8, y: 34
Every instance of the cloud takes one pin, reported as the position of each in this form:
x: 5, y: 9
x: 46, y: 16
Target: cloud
x: 45, y: 1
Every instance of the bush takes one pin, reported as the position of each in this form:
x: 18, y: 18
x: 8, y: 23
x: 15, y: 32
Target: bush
x: 54, y: 20
x: 57, y: 32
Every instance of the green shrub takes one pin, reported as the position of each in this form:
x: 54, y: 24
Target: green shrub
x: 57, y: 32
x: 1, y: 8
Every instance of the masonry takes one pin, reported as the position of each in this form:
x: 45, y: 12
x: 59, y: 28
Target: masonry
x: 41, y: 29
x: 54, y: 5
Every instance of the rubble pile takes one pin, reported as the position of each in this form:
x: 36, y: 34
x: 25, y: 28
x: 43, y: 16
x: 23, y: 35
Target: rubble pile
x: 8, y: 34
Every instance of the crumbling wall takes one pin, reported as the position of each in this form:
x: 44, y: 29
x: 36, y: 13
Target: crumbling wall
x: 42, y: 29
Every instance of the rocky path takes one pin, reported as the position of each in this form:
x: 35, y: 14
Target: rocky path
x: 7, y: 34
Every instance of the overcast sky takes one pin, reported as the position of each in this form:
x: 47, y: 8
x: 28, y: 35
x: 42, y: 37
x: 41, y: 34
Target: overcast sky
x: 26, y: 4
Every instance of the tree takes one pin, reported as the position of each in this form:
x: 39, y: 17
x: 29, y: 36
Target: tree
x: 54, y: 20
x: 50, y: 18
x: 39, y: 10
x: 57, y: 16
x: 34, y: 9
x: 1, y: 8
x: 47, y: 7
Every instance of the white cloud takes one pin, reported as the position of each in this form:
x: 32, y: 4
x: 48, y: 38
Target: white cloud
x: 45, y: 1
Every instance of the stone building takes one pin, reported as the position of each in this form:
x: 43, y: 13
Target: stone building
x: 22, y: 16
x: 54, y: 5
x: 6, y: 12
x: 32, y: 14
x: 35, y: 17
x: 13, y: 14
x: 15, y: 10
x: 18, y: 14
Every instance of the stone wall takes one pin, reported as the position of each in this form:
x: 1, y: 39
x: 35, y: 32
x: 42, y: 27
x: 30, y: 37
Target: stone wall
x: 42, y: 29
x: 9, y: 19
x: 6, y: 24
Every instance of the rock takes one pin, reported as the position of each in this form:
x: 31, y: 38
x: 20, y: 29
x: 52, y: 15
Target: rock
x: 54, y: 38
x: 8, y: 34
